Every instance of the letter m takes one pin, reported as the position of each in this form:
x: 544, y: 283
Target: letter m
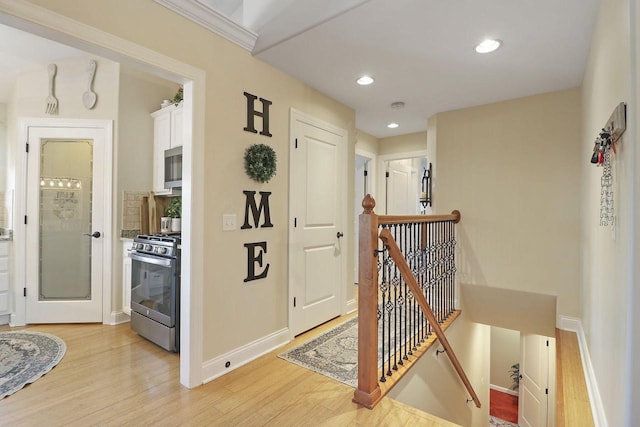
x: 256, y: 210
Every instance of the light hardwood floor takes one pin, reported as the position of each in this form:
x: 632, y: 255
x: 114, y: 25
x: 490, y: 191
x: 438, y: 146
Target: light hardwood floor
x: 110, y: 376
x: 574, y: 408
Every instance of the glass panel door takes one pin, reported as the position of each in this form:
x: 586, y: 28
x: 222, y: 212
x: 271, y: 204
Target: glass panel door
x: 66, y: 206
x: 65, y: 215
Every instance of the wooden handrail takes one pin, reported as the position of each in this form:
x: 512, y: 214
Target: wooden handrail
x: 411, y: 219
x: 407, y: 275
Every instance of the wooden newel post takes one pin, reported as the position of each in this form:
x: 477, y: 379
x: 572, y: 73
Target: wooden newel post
x: 368, y: 392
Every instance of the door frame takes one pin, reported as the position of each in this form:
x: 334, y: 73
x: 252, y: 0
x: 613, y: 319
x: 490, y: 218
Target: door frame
x: 20, y: 245
x: 381, y: 204
x: 104, y: 128
x: 371, y: 180
x: 46, y: 23
x: 297, y: 115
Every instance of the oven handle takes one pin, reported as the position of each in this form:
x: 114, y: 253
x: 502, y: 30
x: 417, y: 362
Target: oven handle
x: 152, y: 260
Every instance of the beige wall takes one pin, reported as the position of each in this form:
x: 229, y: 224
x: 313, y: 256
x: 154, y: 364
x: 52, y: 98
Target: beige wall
x: 513, y: 170
x: 235, y: 313
x: 607, y: 266
x: 505, y: 352
x: 435, y: 387
x: 403, y: 143
x: 367, y: 142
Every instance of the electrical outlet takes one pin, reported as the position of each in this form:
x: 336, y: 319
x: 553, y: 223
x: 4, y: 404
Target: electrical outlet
x: 228, y: 222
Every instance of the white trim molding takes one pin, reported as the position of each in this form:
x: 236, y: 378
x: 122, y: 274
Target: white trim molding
x: 217, y: 366
x: 574, y: 324
x: 116, y: 318
x: 203, y: 14
x: 503, y: 390
x: 350, y: 306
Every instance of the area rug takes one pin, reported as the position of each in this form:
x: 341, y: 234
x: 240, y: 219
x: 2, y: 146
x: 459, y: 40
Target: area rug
x: 497, y: 422
x: 335, y: 352
x: 25, y: 357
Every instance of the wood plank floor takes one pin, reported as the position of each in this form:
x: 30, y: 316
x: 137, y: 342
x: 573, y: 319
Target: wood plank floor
x: 110, y: 376
x: 574, y: 408
x: 503, y: 405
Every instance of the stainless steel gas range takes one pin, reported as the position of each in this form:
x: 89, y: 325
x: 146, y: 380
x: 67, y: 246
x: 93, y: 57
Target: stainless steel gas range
x: 155, y: 289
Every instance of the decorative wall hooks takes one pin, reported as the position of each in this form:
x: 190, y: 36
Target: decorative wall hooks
x: 605, y: 143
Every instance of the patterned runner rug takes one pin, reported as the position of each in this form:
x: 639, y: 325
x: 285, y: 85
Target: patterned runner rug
x: 25, y: 357
x: 333, y: 354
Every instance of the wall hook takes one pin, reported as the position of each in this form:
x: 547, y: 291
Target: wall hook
x: 438, y: 351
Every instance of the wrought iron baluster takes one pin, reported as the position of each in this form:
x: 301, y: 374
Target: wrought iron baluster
x: 384, y: 286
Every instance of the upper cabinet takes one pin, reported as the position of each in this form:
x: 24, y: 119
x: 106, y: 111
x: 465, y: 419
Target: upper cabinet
x: 167, y: 133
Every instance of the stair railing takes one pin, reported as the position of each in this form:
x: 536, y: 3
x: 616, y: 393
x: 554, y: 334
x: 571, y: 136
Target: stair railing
x: 396, y: 306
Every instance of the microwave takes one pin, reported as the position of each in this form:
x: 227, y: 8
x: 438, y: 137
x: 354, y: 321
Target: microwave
x: 173, y: 168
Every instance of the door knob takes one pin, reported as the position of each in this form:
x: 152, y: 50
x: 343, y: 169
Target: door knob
x: 339, y: 235
x: 95, y: 234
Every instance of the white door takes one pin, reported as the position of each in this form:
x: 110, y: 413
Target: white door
x: 401, y: 195
x: 534, y: 382
x: 318, y: 203
x: 64, y: 232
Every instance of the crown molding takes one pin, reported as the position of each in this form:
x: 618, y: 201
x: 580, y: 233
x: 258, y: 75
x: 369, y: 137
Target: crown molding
x: 202, y: 14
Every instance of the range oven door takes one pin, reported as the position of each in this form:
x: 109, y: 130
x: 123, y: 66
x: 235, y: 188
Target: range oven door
x: 153, y: 288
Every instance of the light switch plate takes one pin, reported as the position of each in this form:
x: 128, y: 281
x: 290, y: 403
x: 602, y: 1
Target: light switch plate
x: 228, y: 222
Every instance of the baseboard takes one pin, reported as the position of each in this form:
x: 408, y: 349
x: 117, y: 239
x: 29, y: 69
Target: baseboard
x: 116, y: 318
x: 4, y: 319
x: 504, y: 390
x: 350, y: 306
x: 216, y: 367
x: 575, y: 325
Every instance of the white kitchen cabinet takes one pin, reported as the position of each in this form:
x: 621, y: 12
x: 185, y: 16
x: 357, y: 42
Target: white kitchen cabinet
x: 167, y: 133
x: 126, y: 276
x: 4, y: 277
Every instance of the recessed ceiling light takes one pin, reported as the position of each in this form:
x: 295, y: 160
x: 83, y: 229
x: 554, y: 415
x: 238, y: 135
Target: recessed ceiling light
x: 365, y: 80
x: 488, y: 45
x: 392, y: 125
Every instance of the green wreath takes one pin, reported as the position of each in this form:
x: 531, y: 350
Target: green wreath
x: 260, y: 162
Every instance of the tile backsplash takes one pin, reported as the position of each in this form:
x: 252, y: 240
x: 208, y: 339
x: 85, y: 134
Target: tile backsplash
x: 6, y: 203
x: 131, y: 203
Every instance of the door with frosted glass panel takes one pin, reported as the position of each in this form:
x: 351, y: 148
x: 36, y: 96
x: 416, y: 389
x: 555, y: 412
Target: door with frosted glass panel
x: 64, y: 226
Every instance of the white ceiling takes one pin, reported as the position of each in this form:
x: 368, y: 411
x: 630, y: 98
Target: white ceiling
x: 20, y: 50
x: 420, y: 52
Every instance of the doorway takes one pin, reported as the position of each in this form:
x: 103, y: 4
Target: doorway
x: 522, y: 369
x: 364, y: 173
x: 399, y: 178
x: 68, y: 202
x: 92, y: 40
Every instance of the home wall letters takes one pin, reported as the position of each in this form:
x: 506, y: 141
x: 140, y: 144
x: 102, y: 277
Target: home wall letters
x: 257, y: 267
x: 251, y: 113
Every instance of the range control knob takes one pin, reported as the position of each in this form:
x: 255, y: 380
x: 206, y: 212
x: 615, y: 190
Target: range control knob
x: 162, y: 251
x: 139, y: 246
x: 147, y: 247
